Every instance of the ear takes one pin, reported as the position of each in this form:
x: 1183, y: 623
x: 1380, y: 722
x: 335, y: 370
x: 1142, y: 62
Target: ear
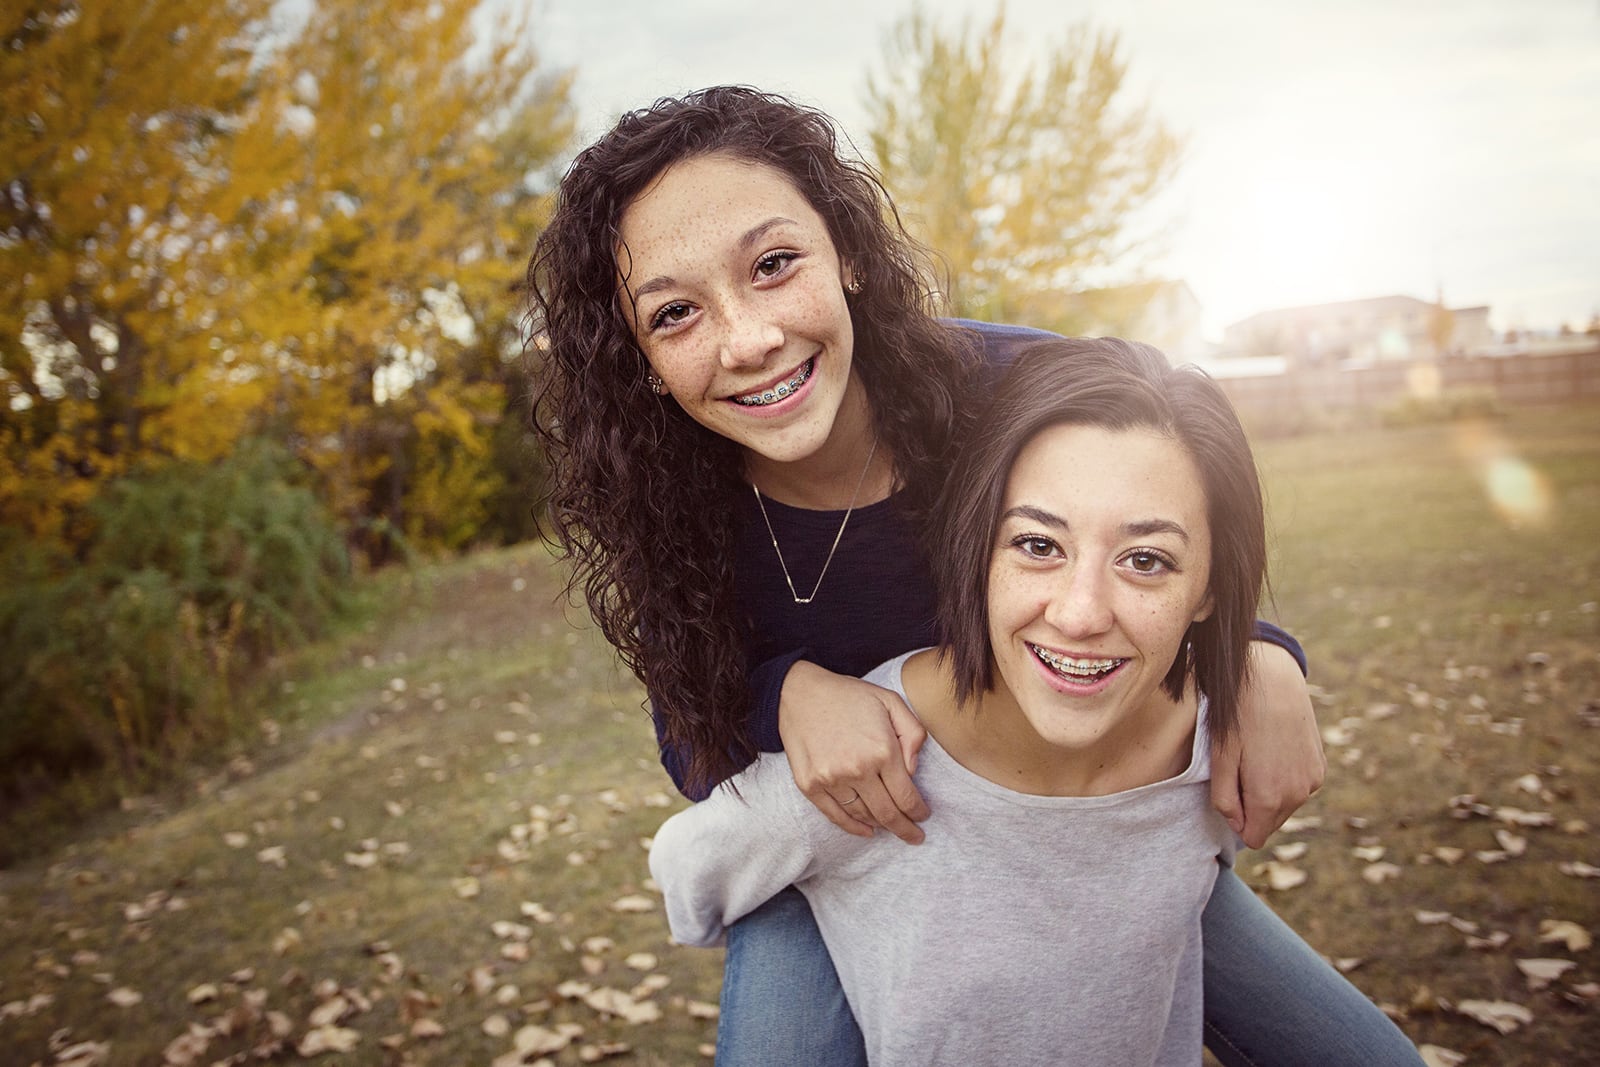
x: 850, y: 279
x: 1207, y: 606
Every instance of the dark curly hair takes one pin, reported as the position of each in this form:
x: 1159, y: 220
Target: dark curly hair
x: 1118, y: 385
x: 640, y: 495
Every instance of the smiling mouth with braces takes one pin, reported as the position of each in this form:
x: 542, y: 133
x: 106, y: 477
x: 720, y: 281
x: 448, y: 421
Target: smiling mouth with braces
x: 1076, y: 669
x: 780, y: 391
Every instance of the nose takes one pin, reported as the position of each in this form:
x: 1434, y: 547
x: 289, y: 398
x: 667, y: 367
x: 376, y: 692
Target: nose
x: 748, y: 340
x: 1081, y: 605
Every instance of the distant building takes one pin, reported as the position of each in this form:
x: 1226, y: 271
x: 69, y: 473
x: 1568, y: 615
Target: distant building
x: 1381, y: 329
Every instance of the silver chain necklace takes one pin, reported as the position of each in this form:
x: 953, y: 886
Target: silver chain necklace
x: 798, y: 599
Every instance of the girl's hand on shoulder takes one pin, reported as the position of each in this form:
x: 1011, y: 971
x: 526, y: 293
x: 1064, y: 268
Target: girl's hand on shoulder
x: 853, y: 747
x: 1275, y: 762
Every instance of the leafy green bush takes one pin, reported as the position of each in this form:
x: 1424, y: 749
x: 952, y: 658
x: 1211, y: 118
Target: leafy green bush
x: 129, y: 655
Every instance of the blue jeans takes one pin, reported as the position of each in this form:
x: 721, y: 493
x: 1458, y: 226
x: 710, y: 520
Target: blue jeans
x: 1270, y: 1000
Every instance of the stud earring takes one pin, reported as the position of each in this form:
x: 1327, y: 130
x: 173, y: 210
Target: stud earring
x: 656, y: 385
x: 856, y: 281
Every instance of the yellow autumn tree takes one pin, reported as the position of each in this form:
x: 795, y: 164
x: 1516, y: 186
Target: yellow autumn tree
x: 399, y: 198
x: 108, y: 113
x: 1022, y: 175
x: 219, y: 225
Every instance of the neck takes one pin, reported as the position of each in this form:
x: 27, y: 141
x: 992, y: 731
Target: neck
x: 836, y: 473
x: 993, y: 739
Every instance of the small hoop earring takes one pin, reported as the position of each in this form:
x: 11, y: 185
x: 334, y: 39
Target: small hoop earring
x: 655, y: 384
x: 856, y: 282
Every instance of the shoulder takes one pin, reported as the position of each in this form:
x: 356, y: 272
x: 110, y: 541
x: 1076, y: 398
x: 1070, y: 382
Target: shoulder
x: 887, y: 675
x: 1000, y: 342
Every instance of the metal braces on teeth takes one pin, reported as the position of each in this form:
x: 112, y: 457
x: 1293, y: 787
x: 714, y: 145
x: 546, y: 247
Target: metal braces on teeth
x: 1083, y: 667
x: 782, y: 389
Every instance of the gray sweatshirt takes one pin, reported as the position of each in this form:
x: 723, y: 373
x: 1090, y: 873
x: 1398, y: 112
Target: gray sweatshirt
x: 1024, y: 930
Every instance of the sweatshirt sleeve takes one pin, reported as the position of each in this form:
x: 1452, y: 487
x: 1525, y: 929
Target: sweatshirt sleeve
x: 722, y: 858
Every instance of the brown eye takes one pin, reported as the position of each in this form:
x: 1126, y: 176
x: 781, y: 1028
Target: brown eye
x: 1035, y: 546
x: 773, y: 263
x: 1143, y: 561
x: 669, y: 314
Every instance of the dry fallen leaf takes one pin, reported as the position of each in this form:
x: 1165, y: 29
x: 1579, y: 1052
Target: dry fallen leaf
x: 1497, y: 939
x: 187, y: 1048
x: 466, y: 888
x: 641, y: 961
x: 604, y: 1050
x: 1518, y: 817
x: 536, y: 1040
x: 1281, y: 876
x: 1501, y: 1015
x: 506, y: 930
x: 1432, y: 918
x: 1575, y: 937
x: 496, y: 1025
x: 327, y: 1039
x: 123, y: 997
x: 426, y: 1028
x: 1541, y: 972
x: 699, y: 1009
x: 1437, y: 1056
x: 1378, y: 873
x: 1578, y: 869
x: 1290, y: 852
x: 84, y: 1054
x: 328, y: 1012
x: 1368, y: 853
x: 1447, y: 855
x: 634, y: 903
x: 1513, y: 844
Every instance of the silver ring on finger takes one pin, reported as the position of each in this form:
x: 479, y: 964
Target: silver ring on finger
x: 854, y: 796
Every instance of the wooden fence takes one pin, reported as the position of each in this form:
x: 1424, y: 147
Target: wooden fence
x: 1520, y: 379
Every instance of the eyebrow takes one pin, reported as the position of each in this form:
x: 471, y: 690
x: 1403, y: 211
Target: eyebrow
x: 750, y: 238
x: 1141, y: 528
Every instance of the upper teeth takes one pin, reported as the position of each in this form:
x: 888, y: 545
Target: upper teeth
x: 779, y: 391
x: 1075, y: 666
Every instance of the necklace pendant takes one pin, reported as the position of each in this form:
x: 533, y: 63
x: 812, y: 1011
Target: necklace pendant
x: 787, y: 578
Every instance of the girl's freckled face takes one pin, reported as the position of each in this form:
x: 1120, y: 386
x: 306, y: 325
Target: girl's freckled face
x: 735, y: 294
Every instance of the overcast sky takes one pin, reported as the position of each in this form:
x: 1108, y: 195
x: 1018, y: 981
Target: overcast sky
x: 1335, y: 150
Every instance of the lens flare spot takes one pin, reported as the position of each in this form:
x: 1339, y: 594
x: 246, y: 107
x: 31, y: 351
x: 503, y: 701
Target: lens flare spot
x: 1518, y: 492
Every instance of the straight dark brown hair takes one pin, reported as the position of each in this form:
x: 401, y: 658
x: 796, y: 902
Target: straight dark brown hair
x: 1118, y: 385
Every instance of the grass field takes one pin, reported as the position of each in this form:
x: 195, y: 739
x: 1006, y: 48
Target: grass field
x: 433, y: 852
